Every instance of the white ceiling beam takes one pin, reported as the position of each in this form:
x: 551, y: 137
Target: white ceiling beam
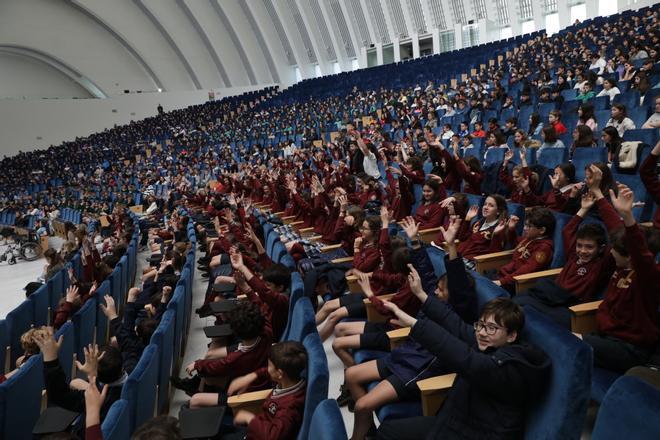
x: 258, y: 34
x: 335, y: 35
x: 236, y: 41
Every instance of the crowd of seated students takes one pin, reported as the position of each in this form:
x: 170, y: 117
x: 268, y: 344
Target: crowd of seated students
x: 358, y: 193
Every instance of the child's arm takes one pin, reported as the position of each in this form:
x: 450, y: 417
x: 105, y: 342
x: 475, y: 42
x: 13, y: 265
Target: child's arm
x: 649, y: 176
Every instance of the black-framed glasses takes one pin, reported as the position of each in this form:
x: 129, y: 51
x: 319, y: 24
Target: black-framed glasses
x: 491, y: 328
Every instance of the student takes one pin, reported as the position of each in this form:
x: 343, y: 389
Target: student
x: 486, y: 235
x: 533, y: 251
x: 510, y: 127
x: 254, y: 335
x: 497, y: 375
x: 550, y: 139
x: 447, y: 132
x: 410, y: 362
x: 429, y: 213
x: 521, y: 181
x: 586, y: 92
x: 586, y: 116
x: 554, y: 118
x: 609, y: 89
x: 479, y: 131
x: 562, y: 182
x: 627, y: 319
x: 535, y: 125
x: 102, y: 365
x: 589, y: 262
x: 619, y: 119
x: 612, y: 140
x: 654, y: 120
x: 282, y: 411
x: 583, y: 137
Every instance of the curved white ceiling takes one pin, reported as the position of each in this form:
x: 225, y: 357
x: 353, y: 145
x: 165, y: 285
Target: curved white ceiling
x: 109, y: 46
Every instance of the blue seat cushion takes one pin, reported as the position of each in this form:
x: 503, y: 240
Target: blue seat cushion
x: 397, y: 410
x: 601, y: 381
x: 362, y: 356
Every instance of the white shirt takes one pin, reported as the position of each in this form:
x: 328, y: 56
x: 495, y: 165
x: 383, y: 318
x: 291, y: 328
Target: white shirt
x: 611, y: 93
x: 370, y: 165
x: 599, y: 64
x: 621, y: 127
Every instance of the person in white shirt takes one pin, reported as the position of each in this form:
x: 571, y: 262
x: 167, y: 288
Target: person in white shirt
x: 609, y: 89
x: 654, y: 120
x: 370, y: 161
x: 447, y: 132
x: 619, y: 119
x: 597, y: 62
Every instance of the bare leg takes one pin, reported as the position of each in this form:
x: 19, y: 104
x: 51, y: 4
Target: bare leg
x: 341, y: 345
x: 204, y: 399
x: 327, y: 308
x: 216, y: 353
x: 364, y: 408
x: 332, y: 320
x: 349, y: 328
x: 355, y: 378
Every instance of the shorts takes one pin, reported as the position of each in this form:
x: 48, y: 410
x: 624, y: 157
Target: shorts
x: 354, y: 303
x: 403, y: 391
x: 375, y: 337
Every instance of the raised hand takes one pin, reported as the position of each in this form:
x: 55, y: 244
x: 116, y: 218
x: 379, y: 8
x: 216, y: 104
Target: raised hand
x: 575, y: 190
x: 93, y: 402
x: 524, y: 183
x: 92, y: 358
x: 451, y: 232
x: 472, y: 213
x: 588, y: 200
x: 508, y: 156
x: 501, y: 226
x: 402, y: 318
x: 72, y: 294
x: 415, y: 283
x: 357, y: 243
x: 384, y: 215
x: 554, y: 180
x: 109, y: 309
x: 623, y: 202
x: 47, y: 344
x: 448, y: 201
x: 593, y: 177
x: 410, y: 227
x: 236, y: 259
x: 513, y: 222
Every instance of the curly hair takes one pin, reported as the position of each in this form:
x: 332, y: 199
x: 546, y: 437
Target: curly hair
x: 246, y: 321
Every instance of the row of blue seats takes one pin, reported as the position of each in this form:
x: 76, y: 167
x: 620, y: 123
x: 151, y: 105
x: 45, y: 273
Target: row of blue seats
x: 21, y: 395
x: 147, y: 392
x: 71, y: 215
x: 301, y: 326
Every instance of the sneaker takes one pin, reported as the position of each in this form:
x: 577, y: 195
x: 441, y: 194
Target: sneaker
x: 344, y: 397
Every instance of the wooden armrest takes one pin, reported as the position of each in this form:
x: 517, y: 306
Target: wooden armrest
x: 583, y: 317
x: 330, y: 247
x: 434, y: 390
x: 342, y: 260
x: 427, y: 235
x: 278, y: 213
x: 241, y: 297
x: 249, y: 401
x: 288, y: 219
x: 373, y: 315
x: 647, y: 224
x: 492, y: 261
x: 7, y: 366
x: 294, y: 224
x: 353, y: 285
x: 306, y: 229
x: 314, y: 237
x: 525, y: 281
x: 398, y: 336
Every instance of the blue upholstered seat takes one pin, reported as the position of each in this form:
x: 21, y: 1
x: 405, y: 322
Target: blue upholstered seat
x: 317, y: 380
x: 116, y: 425
x: 140, y: 388
x: 327, y: 422
x: 629, y: 411
x: 20, y: 400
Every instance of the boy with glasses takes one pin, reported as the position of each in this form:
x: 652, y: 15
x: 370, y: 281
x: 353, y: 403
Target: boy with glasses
x: 497, y: 375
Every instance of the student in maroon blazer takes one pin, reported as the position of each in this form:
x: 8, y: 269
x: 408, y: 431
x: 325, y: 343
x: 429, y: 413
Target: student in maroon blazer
x: 533, y: 251
x: 282, y: 411
x: 486, y: 235
x: 627, y: 319
x: 429, y: 213
x: 255, y: 335
x: 589, y: 262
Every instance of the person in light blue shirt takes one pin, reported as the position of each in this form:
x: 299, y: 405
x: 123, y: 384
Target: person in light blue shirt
x: 550, y: 139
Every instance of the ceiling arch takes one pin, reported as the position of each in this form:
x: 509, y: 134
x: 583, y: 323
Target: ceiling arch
x: 187, y: 45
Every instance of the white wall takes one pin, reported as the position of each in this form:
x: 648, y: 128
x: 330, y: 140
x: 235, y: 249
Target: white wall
x: 22, y: 77
x: 59, y: 120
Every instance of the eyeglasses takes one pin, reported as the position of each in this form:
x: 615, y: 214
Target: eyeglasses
x: 491, y: 328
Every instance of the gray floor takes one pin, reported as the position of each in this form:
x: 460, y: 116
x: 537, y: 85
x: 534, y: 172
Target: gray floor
x: 15, y: 277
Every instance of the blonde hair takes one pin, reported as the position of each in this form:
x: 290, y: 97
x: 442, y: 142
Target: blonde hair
x: 28, y: 344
